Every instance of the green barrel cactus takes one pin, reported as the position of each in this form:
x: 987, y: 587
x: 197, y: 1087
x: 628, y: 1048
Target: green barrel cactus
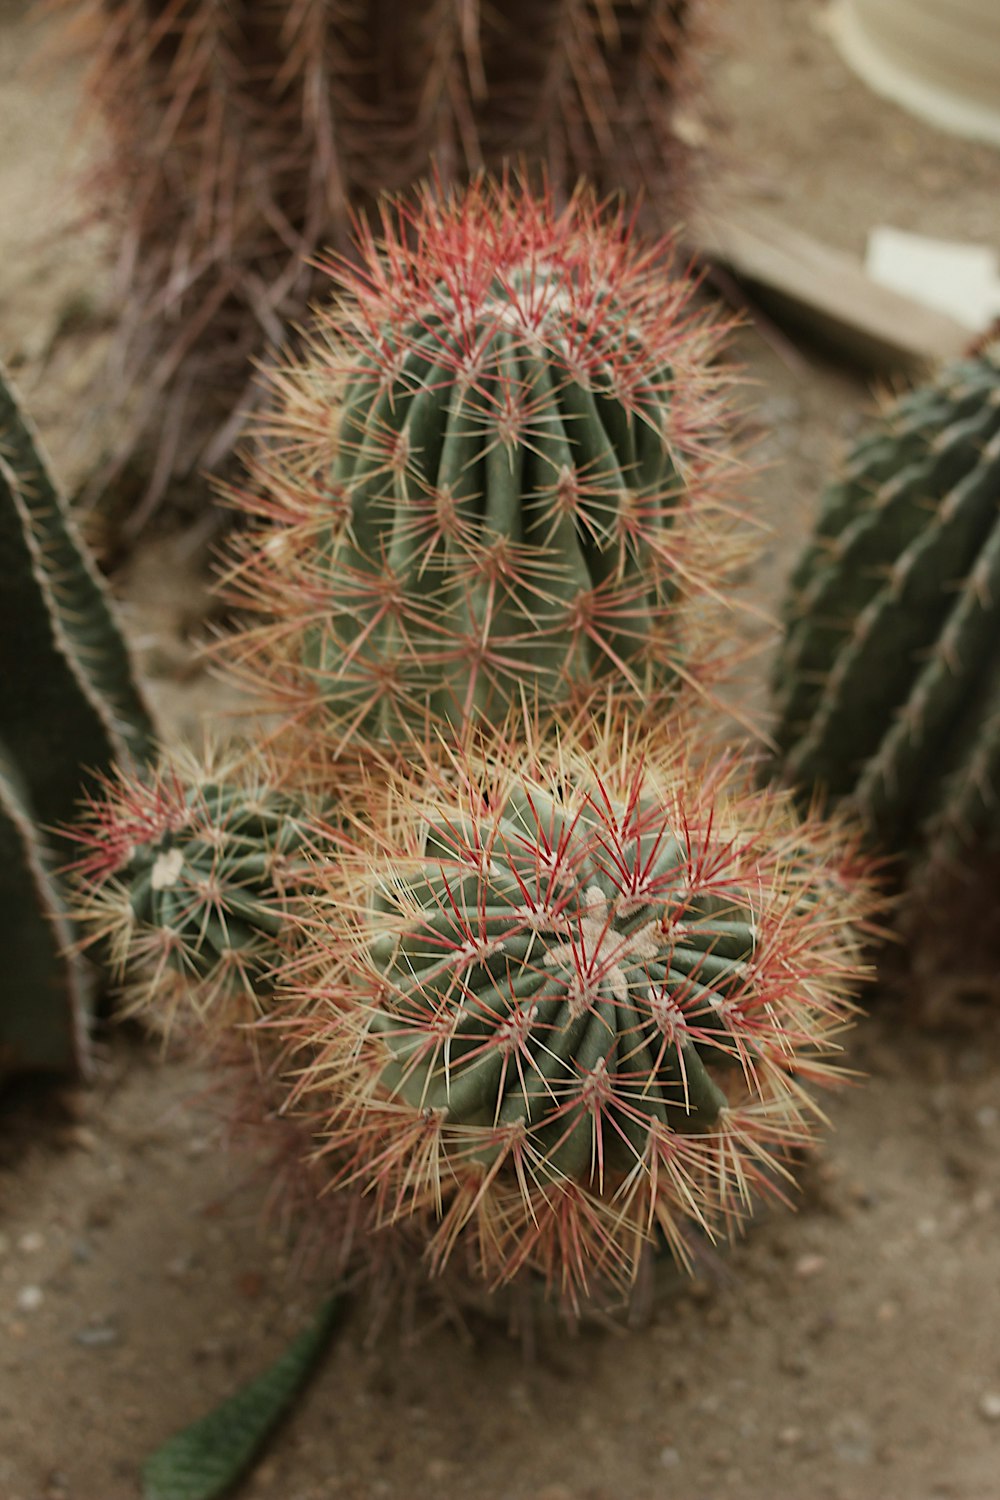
x: 888, y: 680
x: 70, y: 706
x: 187, y: 874
x: 495, y: 479
x: 562, y: 998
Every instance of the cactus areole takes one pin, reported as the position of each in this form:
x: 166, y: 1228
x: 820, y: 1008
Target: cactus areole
x: 514, y: 456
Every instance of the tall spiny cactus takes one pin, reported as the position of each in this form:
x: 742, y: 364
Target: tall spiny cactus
x: 69, y: 706
x: 245, y: 134
x: 889, y: 678
x: 497, y: 475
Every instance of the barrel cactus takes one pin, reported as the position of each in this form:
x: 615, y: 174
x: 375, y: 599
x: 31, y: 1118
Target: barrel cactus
x: 888, y: 681
x: 559, y: 999
x: 497, y: 477
x: 186, y: 876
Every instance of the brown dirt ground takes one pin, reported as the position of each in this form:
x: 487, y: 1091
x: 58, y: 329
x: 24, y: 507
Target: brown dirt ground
x: 849, y: 1351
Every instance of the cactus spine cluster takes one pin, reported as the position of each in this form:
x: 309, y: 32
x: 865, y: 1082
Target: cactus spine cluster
x: 889, y: 679
x: 497, y: 478
x: 70, y: 705
x: 574, y: 1001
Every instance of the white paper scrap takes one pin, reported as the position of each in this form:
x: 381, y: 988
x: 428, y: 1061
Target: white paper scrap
x: 959, y: 279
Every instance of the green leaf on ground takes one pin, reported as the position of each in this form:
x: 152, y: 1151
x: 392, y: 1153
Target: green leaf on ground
x: 207, y: 1458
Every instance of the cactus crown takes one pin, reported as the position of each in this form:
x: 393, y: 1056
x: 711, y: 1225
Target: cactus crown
x: 491, y: 474
x: 577, y: 1001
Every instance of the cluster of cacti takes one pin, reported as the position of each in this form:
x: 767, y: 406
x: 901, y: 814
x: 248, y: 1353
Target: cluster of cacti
x: 496, y: 478
x: 555, y: 999
x: 189, y: 874
x: 246, y: 135
x: 69, y: 706
x: 889, y: 677
x: 545, y: 985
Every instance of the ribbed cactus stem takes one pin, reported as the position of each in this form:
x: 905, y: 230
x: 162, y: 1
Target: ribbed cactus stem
x: 887, y: 677
x: 69, y: 706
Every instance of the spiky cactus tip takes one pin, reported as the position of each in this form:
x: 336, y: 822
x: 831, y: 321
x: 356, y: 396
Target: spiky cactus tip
x: 888, y: 682
x: 498, y: 475
x: 575, y: 1000
x: 186, y: 877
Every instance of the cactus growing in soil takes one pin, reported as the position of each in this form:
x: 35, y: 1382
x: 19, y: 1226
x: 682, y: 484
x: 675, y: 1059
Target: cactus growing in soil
x: 69, y: 706
x: 559, y: 998
x: 497, y: 477
x: 187, y: 875
x: 245, y: 135
x: 889, y: 679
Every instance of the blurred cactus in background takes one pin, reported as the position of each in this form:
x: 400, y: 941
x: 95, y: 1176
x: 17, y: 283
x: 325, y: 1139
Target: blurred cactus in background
x: 888, y: 682
x: 242, y: 137
x: 70, y: 706
x: 498, y: 477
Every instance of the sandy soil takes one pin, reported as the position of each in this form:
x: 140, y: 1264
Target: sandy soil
x: 849, y: 1351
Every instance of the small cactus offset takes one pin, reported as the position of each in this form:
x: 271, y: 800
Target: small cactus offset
x: 70, y: 705
x: 243, y: 137
x: 888, y: 682
x: 562, y: 999
x: 498, y: 477
x: 186, y: 876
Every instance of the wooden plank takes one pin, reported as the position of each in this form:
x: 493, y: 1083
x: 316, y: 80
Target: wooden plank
x: 823, y: 291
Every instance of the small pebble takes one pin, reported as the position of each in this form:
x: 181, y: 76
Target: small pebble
x: 851, y: 1439
x: 809, y: 1265
x: 31, y: 1243
x: 989, y: 1405
x: 789, y: 1437
x: 30, y: 1298
x: 97, y: 1336
x: 669, y: 1458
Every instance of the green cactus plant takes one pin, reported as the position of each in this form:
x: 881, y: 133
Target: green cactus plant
x: 888, y: 681
x: 186, y: 876
x: 556, y: 998
x: 498, y: 477
x: 70, y: 705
